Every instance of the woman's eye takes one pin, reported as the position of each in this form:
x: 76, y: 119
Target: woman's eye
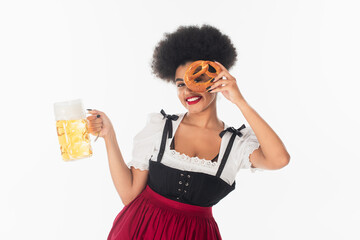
x: 180, y: 84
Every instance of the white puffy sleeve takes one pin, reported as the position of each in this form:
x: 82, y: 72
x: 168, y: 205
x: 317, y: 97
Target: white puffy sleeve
x: 244, y: 146
x: 144, y: 141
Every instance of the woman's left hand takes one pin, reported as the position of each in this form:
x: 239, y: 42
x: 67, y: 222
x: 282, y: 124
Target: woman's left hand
x: 229, y: 89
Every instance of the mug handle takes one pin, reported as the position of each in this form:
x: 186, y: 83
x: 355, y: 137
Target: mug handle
x: 98, y: 132
x: 97, y: 137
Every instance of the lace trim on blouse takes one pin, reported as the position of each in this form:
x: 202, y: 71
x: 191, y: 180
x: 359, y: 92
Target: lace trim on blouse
x: 250, y: 148
x: 139, y: 165
x: 193, y: 160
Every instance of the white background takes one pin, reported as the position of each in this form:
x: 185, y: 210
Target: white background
x: 298, y: 67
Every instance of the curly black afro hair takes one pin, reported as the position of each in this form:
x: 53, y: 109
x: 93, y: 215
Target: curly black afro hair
x: 191, y: 43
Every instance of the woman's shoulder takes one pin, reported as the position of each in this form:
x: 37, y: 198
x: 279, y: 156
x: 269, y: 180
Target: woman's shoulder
x: 153, y: 116
x: 159, y: 117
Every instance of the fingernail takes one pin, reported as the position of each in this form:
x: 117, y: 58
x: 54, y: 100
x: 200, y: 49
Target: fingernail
x: 89, y: 109
x: 212, y: 80
x: 209, y: 90
x: 98, y: 115
x: 208, y: 87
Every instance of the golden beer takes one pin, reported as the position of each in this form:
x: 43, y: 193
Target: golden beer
x: 72, y: 130
x: 74, y: 139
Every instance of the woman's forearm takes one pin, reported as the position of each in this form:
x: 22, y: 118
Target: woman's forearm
x: 271, y: 145
x: 120, y: 173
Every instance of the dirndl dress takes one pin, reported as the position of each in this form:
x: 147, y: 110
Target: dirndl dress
x: 175, y: 204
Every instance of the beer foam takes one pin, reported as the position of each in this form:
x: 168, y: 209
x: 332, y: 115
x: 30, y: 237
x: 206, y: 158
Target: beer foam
x: 69, y: 110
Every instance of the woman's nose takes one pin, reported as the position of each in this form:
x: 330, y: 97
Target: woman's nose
x: 189, y: 91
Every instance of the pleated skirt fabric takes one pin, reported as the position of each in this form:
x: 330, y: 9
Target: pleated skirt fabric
x: 151, y: 216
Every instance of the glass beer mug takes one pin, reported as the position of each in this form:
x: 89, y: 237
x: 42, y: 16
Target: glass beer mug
x: 72, y: 130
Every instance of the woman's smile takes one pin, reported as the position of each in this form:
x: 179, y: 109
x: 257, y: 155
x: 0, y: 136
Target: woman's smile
x: 193, y: 100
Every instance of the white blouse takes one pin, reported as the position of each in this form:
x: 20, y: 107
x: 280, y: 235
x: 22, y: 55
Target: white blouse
x: 146, y: 145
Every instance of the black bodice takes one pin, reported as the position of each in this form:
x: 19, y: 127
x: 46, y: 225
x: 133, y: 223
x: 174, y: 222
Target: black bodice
x: 189, y: 187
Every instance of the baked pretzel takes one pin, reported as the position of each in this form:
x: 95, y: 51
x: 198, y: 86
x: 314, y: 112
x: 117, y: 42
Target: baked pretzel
x: 198, y: 75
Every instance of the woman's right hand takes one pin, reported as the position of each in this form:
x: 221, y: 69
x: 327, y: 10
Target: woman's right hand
x: 99, y: 122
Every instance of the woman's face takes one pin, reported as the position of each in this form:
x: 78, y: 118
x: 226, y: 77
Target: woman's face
x: 206, y: 100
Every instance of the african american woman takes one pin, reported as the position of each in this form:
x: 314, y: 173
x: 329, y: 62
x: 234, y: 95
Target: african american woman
x: 184, y: 163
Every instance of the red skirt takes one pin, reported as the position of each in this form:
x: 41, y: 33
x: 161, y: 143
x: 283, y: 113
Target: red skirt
x: 151, y: 216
